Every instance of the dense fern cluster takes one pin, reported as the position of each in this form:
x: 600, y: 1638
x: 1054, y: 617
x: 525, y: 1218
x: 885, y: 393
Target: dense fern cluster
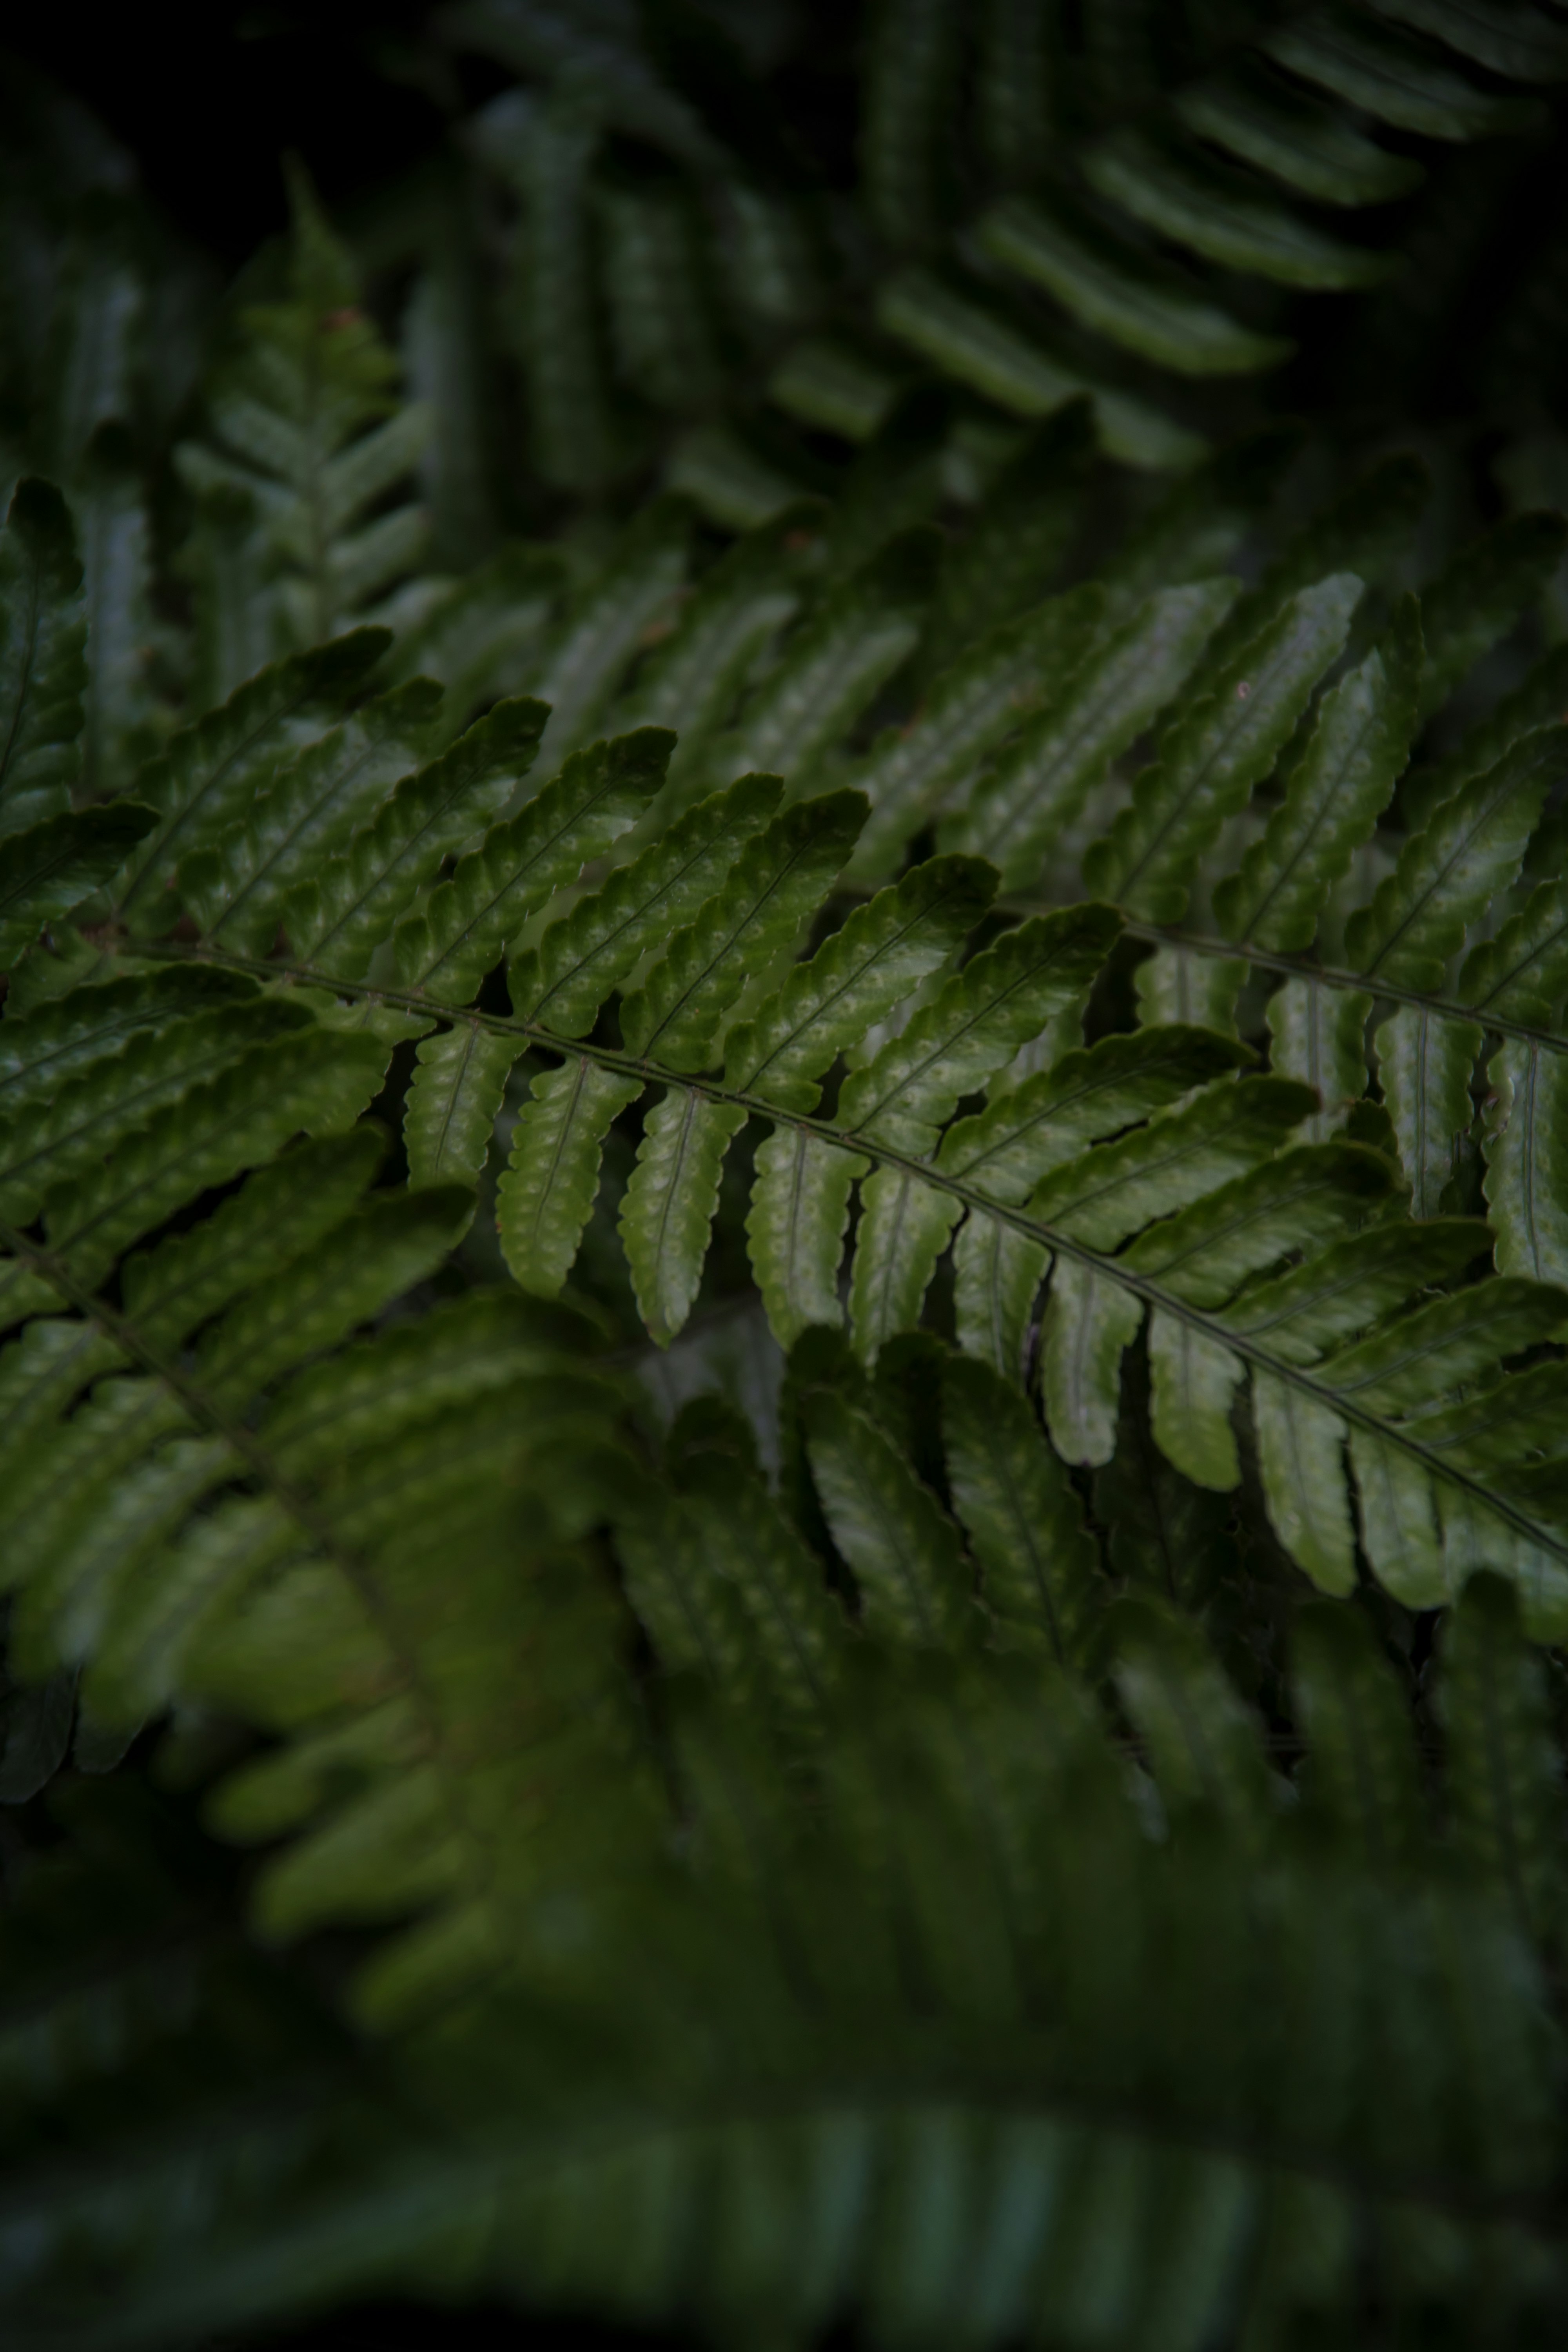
x: 783, y: 1477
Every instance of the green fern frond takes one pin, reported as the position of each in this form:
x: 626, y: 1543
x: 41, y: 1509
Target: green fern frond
x: 311, y: 442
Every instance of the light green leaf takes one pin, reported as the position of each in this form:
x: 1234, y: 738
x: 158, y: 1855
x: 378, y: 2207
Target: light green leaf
x: 694, y: 681
x: 1194, y: 1380
x: 562, y: 982
x: 975, y: 1025
x: 1503, y: 1423
x: 667, y: 1213
x: 1475, y: 1537
x: 1193, y: 533
x: 905, y: 1225
x: 397, y: 1239
x: 278, y: 1214
x: 445, y: 950
x: 1368, y: 529
x: 464, y: 1351
x: 1424, y: 1063
x: 479, y: 641
x: 460, y: 1077
x: 1223, y: 745
x: 1334, y: 793
x: 1318, y: 1033
x: 1182, y: 985
x: 1037, y: 786
x: 1302, y: 1455
x: 1470, y: 850
x: 830, y: 382
x: 546, y: 1196
x: 312, y: 1082
x: 777, y: 885
x: 74, y: 1129
x: 1527, y: 1158
x: 1400, y: 1532
x: 41, y: 1051
x: 1354, y: 1284
x: 856, y: 979
x: 1202, y: 1742
x: 237, y: 887
x: 1420, y: 1357
x: 797, y: 1629
x: 1004, y: 1150
x: 1523, y: 974
x: 1302, y: 1200
x: 1178, y: 1158
x: 336, y: 922
x: 796, y: 1228
x: 677, y: 1582
x: 1538, y: 701
x: 998, y: 1272
x: 1089, y: 1319
x: 204, y: 782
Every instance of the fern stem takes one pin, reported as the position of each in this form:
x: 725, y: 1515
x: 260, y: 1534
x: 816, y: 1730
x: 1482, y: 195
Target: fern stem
x: 1153, y: 1294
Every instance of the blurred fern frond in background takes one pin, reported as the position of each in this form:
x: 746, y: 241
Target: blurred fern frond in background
x: 784, y: 1192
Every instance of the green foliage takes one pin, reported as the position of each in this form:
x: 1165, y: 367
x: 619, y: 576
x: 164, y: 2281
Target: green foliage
x: 785, y: 1278
x: 309, y: 440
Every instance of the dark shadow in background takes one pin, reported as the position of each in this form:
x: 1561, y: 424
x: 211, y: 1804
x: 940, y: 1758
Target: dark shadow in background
x: 207, y: 99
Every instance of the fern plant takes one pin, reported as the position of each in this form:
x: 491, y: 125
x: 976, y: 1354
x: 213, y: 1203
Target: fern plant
x: 783, y: 1474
